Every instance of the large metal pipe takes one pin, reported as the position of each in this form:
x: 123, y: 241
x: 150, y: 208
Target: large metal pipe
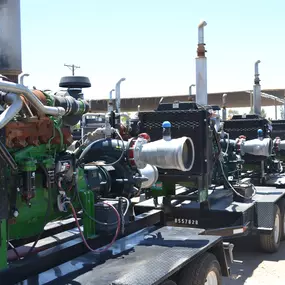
x: 15, y: 107
x: 118, y: 95
x: 10, y: 39
x: 256, y: 90
x: 27, y: 93
x: 201, y: 68
x: 257, y: 147
x: 166, y: 154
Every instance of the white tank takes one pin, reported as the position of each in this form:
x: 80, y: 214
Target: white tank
x: 10, y: 39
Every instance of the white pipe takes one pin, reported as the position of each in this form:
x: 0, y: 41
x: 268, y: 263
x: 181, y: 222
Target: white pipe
x: 201, y: 32
x: 190, y: 89
x: 256, y: 90
x: 15, y: 107
x: 118, y: 95
x: 201, y: 68
x: 110, y: 107
x: 201, y: 81
x: 22, y: 77
x: 111, y: 94
x: 256, y: 67
x: 176, y: 154
x: 151, y: 173
x: 224, y: 111
x: 22, y: 90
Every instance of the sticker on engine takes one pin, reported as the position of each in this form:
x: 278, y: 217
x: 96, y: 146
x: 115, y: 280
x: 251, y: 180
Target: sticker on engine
x: 157, y: 186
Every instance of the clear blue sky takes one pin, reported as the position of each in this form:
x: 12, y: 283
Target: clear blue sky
x: 153, y: 43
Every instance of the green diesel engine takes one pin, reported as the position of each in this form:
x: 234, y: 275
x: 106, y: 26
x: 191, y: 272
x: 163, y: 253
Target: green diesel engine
x: 37, y: 171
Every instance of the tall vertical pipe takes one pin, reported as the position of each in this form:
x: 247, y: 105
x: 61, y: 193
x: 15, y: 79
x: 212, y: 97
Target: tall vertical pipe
x: 256, y: 90
x: 111, y: 94
x: 224, y: 109
x: 110, y: 106
x: 190, y: 91
x: 10, y: 39
x: 201, y: 68
x: 118, y: 95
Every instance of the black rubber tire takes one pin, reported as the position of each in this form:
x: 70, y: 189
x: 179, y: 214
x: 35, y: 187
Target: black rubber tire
x: 267, y: 243
x: 168, y: 282
x: 195, y: 273
x: 282, y: 211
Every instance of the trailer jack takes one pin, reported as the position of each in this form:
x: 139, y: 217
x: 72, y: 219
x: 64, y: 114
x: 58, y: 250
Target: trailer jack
x: 229, y: 247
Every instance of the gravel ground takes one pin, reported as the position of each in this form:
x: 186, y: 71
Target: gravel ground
x: 251, y: 267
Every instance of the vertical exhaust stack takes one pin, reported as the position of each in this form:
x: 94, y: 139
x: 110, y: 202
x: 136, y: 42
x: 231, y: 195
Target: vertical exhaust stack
x: 110, y: 106
x: 190, y: 91
x: 256, y: 91
x: 118, y: 95
x: 201, y: 68
x: 224, y: 109
x: 10, y: 39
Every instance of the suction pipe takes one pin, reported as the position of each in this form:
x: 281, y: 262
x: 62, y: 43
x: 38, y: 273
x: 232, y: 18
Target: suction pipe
x: 201, y: 68
x: 256, y: 91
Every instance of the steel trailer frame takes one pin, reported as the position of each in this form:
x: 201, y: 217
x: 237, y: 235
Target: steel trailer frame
x: 70, y: 260
x: 224, y: 217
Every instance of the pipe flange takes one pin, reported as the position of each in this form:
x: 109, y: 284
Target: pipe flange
x: 137, y: 150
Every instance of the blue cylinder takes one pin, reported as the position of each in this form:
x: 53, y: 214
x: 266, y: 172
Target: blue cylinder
x: 260, y: 133
x: 166, y: 130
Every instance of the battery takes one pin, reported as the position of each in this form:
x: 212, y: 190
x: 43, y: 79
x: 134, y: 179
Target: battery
x: 244, y: 189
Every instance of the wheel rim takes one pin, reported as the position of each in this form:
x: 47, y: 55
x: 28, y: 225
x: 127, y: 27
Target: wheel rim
x: 212, y: 278
x: 276, y: 229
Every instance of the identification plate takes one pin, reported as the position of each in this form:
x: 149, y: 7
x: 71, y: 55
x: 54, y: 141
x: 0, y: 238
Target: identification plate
x: 182, y: 221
